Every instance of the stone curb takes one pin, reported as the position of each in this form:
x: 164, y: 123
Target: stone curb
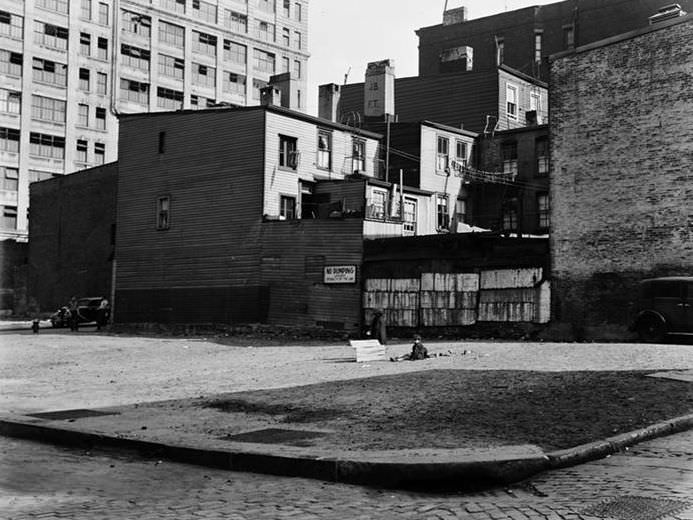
x: 433, y: 475
x: 448, y: 474
x: 609, y: 446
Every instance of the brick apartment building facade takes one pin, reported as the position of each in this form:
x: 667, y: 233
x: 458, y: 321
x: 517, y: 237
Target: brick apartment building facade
x: 68, y: 68
x: 621, y: 184
x: 524, y: 38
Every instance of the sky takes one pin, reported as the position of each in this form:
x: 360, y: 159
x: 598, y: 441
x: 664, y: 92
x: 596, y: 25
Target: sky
x: 345, y: 35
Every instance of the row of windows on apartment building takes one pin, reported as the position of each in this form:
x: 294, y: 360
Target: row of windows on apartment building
x: 289, y: 154
x: 541, y: 157
x: 49, y: 146
x: 512, y: 100
x: 537, y: 41
x: 140, y: 25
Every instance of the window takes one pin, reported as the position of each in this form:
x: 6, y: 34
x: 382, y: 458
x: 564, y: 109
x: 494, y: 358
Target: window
x: 84, y: 80
x: 10, y: 101
x: 45, y: 145
x: 205, y: 11
x: 543, y: 211
x: 237, y: 22
x: 535, y: 101
x: 234, y: 83
x: 235, y: 52
x: 86, y: 9
x: 509, y: 219
x: 169, y: 99
x: 442, y: 211
x: 171, y: 34
x: 135, y: 57
x: 82, y: 148
x: 47, y: 109
x: 443, y: 154
x: 287, y: 207
x: 409, y: 220
x: 298, y: 14
x: 358, y: 155
x: 99, y: 153
x: 37, y: 175
x: 266, y: 5
x: 298, y: 98
x: 9, y: 140
x: 263, y: 61
x: 50, y: 36
x: 297, y: 69
x: 101, y: 83
x: 138, y: 24
x: 100, y: 118
x: 204, y: 76
x: 59, y: 6
x: 258, y: 85
x: 324, y: 149
x: 461, y: 210
x: 297, y: 39
x: 85, y: 44
x: 198, y: 102
x: 288, y: 154
x: 500, y: 51
x: 102, y: 50
x: 176, y: 6
x: 542, y: 153
x: 461, y: 152
x: 265, y: 31
x: 286, y: 64
x: 286, y: 37
x: 537, y: 47
x: 171, y: 67
x: 103, y: 13
x: 511, y: 101
x: 509, y: 152
x: 11, y: 25
x: 82, y: 115
x: 11, y: 63
x: 376, y: 207
x: 569, y: 36
x: 10, y: 178
x: 204, y: 43
x: 134, y: 91
x: 9, y: 217
x: 45, y: 71
x: 163, y: 213
x: 286, y: 8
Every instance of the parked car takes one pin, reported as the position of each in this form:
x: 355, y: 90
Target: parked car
x: 87, y: 312
x: 664, y: 306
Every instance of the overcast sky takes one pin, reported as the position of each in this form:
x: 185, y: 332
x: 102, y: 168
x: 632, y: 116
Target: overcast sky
x: 347, y: 34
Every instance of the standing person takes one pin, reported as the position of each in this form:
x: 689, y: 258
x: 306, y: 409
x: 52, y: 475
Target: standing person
x: 74, y: 314
x: 378, y: 327
x: 102, y: 314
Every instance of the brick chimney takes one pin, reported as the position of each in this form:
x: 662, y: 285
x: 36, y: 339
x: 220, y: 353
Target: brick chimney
x: 328, y: 101
x: 453, y: 16
x: 379, y: 89
x: 270, y: 96
x: 288, y: 87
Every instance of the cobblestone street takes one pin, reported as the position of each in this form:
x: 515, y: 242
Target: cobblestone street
x: 55, y: 371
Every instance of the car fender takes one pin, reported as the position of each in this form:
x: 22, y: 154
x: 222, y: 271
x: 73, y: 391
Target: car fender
x: 650, y: 314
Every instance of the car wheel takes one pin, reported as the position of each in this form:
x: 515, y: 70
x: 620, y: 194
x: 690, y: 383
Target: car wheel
x: 651, y: 330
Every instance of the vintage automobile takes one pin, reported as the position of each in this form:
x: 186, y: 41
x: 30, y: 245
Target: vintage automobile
x: 87, y: 312
x: 664, y: 307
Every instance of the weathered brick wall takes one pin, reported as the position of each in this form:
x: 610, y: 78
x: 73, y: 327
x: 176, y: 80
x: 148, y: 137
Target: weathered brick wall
x: 622, y: 171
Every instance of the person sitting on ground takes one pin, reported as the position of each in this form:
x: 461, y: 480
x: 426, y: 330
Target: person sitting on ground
x: 418, y: 352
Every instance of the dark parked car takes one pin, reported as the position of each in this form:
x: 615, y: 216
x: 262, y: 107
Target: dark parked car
x: 87, y: 312
x: 665, y: 306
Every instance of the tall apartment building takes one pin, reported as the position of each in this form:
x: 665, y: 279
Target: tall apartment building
x: 67, y: 68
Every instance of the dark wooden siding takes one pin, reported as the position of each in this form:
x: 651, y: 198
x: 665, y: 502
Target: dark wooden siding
x: 293, y: 255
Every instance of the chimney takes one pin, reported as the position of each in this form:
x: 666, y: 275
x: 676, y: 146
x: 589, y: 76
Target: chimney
x: 270, y: 96
x: 288, y: 87
x: 453, y: 16
x: 457, y: 59
x: 328, y: 101
x: 379, y: 89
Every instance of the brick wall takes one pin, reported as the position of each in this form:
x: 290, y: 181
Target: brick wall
x: 621, y: 182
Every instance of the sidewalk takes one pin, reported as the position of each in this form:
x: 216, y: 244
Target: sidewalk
x: 128, y: 420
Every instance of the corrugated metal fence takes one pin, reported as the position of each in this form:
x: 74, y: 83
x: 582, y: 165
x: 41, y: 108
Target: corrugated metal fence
x: 459, y: 299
